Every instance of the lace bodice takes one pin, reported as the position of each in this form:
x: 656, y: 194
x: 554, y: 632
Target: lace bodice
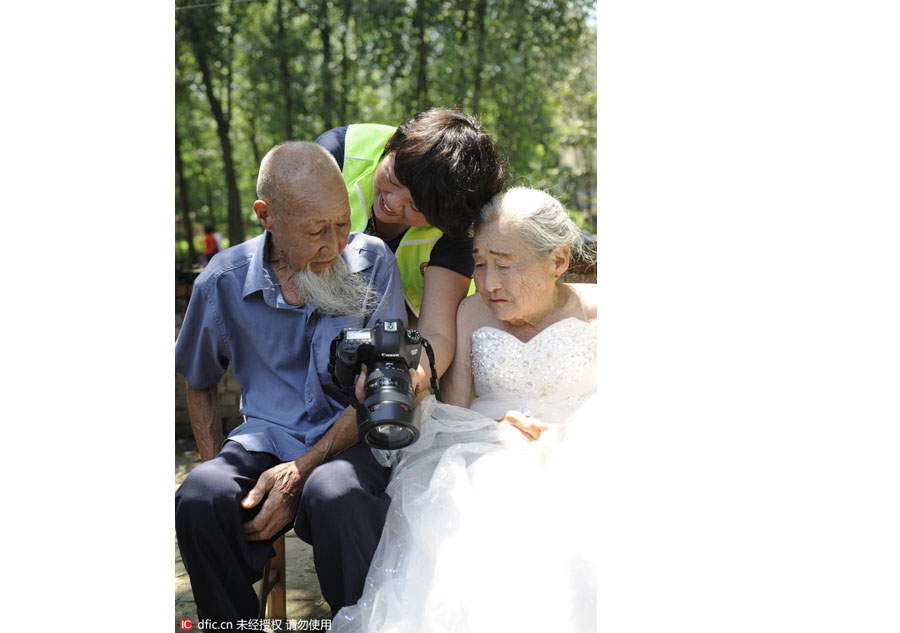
x: 560, y: 362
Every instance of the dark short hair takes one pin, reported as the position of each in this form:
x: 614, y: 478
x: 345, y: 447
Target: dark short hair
x: 450, y: 166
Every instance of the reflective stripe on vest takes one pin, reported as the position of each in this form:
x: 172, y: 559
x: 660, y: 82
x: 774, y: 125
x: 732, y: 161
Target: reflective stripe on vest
x: 363, y: 149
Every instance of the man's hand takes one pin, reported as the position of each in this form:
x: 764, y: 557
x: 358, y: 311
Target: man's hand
x: 281, y: 486
x: 418, y: 382
x: 421, y: 382
x: 528, y: 426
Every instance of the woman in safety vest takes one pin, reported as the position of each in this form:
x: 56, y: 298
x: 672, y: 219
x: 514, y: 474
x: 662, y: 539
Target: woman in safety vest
x: 418, y: 188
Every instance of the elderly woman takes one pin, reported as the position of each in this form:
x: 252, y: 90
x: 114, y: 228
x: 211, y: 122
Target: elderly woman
x: 488, y: 529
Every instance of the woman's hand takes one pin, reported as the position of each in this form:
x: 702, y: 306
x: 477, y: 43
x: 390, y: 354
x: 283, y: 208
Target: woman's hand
x: 530, y: 427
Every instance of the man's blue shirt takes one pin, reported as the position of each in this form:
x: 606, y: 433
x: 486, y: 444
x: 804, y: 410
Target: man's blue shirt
x: 278, y: 352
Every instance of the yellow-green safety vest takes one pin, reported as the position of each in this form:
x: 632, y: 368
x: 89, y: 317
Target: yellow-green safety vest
x: 363, y: 148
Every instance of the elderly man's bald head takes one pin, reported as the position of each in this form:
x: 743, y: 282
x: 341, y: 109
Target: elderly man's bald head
x: 303, y: 204
x: 304, y: 207
x: 295, y: 170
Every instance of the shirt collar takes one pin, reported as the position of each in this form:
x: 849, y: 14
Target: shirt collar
x: 258, y: 276
x: 357, y: 258
x: 261, y: 278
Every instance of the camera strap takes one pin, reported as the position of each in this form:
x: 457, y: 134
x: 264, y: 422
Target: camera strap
x: 434, y: 381
x: 350, y: 391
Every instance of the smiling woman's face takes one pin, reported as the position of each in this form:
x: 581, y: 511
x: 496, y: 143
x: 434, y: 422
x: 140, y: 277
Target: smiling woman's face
x: 393, y: 203
x: 514, y: 281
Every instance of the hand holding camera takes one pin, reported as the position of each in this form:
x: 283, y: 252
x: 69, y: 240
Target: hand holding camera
x: 385, y: 416
x: 360, y: 389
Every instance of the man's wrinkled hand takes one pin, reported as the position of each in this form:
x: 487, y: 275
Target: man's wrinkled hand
x: 530, y: 427
x: 279, y: 489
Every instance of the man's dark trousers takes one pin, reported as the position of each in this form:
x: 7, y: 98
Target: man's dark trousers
x: 341, y: 514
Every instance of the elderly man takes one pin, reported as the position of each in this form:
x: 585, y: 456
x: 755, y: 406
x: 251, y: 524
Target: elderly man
x: 271, y: 307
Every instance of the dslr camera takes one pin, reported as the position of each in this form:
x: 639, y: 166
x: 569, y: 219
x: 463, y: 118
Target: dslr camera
x: 385, y: 418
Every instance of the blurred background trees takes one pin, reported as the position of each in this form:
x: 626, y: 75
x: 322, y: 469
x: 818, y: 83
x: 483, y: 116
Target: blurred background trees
x: 253, y: 73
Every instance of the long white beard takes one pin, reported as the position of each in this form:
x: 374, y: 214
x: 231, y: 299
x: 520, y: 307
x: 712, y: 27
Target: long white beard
x: 336, y: 290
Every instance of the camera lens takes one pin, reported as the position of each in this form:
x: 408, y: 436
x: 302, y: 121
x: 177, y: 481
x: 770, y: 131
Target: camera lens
x: 389, y: 421
x: 390, y: 435
x: 386, y: 416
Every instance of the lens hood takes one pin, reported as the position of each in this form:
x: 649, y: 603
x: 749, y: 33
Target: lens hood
x: 389, y: 426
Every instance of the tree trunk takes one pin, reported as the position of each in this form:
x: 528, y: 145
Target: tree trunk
x: 327, y: 88
x: 422, y: 55
x: 185, y: 204
x: 229, y: 67
x: 235, y: 220
x: 480, y: 11
x: 285, y: 75
x: 462, y: 85
x: 508, y: 119
x: 345, y: 62
x: 210, y: 214
x: 254, y: 145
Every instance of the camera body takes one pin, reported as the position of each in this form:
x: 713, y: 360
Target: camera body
x: 385, y: 419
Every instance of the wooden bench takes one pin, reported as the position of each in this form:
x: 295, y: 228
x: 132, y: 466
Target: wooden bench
x: 273, y: 586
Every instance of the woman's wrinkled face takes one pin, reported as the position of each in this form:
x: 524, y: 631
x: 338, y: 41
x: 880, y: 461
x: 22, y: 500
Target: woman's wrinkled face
x: 393, y: 203
x: 514, y: 281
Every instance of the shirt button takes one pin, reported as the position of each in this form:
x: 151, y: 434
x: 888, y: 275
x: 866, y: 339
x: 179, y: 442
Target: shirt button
x: 308, y: 398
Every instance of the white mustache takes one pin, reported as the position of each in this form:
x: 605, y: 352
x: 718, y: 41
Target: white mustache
x: 336, y: 290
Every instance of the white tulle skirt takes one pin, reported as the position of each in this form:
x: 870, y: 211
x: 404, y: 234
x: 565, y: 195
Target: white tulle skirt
x: 487, y: 531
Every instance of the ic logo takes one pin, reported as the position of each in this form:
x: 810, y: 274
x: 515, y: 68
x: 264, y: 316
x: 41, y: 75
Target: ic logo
x: 186, y: 624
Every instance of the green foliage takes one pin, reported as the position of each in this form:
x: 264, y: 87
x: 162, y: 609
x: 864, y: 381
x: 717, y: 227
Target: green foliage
x: 528, y: 72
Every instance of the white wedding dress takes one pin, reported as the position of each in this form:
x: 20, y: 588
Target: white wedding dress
x: 488, y: 532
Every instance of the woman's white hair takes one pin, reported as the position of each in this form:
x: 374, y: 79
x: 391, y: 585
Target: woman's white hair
x: 541, y: 220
